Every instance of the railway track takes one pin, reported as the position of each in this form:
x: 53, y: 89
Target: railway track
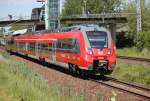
x: 134, y: 58
x: 140, y: 91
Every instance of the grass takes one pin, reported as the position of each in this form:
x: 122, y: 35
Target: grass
x: 19, y: 83
x: 133, y: 52
x: 132, y: 73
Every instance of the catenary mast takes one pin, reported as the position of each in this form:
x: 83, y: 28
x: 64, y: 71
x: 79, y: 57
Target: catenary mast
x: 139, y: 17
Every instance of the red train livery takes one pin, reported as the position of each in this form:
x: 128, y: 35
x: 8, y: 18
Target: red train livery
x: 82, y: 49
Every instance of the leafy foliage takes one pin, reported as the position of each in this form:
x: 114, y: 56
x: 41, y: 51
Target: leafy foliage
x: 132, y: 73
x: 124, y: 40
x: 143, y: 41
x: 133, y: 52
x: 140, y: 40
x: 73, y: 7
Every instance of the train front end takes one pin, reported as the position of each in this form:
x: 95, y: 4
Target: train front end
x: 100, y: 52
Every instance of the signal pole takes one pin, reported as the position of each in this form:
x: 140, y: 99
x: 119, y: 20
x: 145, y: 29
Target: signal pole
x: 139, y: 17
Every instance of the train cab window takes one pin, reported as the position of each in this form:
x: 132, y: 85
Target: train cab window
x: 97, y: 39
x: 77, y: 46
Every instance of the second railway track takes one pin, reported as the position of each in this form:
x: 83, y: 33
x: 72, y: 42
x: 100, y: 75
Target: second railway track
x: 134, y: 58
x: 126, y: 87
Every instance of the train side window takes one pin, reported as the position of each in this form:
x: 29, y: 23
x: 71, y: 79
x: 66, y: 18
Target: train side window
x: 15, y: 45
x: 59, y: 44
x: 76, y: 46
x: 32, y: 46
x: 22, y: 45
x: 50, y: 47
x: 45, y: 47
x: 39, y: 47
x: 68, y: 45
x: 28, y: 46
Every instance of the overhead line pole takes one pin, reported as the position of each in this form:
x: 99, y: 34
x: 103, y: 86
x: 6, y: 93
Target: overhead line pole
x: 47, y: 14
x: 139, y: 16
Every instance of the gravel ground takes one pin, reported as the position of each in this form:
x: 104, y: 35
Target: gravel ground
x: 57, y: 75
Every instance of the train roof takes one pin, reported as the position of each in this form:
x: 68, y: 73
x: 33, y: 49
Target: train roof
x: 82, y: 27
x: 75, y: 28
x: 22, y: 31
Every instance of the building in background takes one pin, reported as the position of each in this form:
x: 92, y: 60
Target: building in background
x: 52, y: 12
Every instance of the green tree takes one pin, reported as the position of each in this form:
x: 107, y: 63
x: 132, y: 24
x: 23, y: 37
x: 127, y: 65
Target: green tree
x: 73, y: 7
x: 146, y: 18
x: 131, y: 8
x: 141, y: 40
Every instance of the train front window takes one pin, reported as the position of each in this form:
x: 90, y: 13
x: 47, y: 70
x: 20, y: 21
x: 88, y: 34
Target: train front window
x: 97, y: 39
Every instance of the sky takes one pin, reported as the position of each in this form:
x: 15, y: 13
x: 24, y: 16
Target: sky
x: 17, y: 7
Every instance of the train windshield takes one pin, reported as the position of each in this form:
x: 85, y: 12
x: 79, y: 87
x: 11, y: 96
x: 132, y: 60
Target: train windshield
x: 97, y: 39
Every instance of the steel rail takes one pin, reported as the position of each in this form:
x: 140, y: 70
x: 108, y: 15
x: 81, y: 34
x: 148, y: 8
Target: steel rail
x: 129, y: 84
x: 134, y: 58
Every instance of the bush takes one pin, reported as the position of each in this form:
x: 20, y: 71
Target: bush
x: 124, y: 40
x: 143, y: 41
x: 134, y: 73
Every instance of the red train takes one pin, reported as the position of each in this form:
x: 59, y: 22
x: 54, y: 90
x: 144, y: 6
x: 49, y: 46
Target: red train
x: 82, y: 49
